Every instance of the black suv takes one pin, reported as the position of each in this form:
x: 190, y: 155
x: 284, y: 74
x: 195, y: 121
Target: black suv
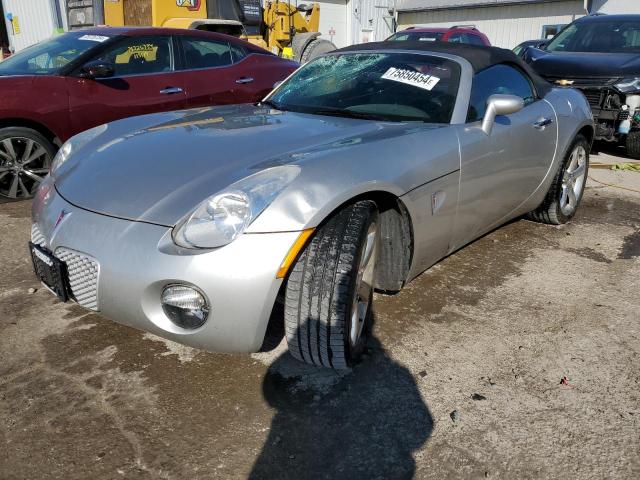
x: 600, y: 55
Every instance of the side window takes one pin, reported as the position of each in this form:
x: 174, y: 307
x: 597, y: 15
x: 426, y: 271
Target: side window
x: 140, y: 56
x: 205, y: 53
x: 237, y: 52
x: 456, y: 38
x: 474, y: 39
x: 502, y: 79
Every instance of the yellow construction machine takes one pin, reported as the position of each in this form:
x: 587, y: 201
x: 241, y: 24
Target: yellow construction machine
x: 287, y: 30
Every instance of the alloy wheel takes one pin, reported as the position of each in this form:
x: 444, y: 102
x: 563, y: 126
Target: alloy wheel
x: 23, y: 165
x: 573, y: 180
x: 363, y: 285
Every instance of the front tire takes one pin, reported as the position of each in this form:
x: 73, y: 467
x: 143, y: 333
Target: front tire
x: 565, y: 193
x: 329, y: 292
x: 632, y: 144
x: 25, y: 159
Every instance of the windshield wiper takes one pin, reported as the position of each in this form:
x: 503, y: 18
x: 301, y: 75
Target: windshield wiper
x: 337, y: 112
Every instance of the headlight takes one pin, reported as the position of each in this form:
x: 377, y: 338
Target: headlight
x: 221, y: 218
x: 629, y: 85
x: 74, y: 144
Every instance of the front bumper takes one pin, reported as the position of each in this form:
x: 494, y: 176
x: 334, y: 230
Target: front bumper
x: 606, y: 102
x: 133, y: 261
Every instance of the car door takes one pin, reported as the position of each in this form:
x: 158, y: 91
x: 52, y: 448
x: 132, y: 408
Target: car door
x: 501, y: 170
x: 207, y: 71
x: 144, y: 81
x: 256, y: 74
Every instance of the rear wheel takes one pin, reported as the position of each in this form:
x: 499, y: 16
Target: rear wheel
x: 315, y: 48
x: 25, y: 159
x: 329, y: 292
x: 565, y: 193
x: 633, y: 144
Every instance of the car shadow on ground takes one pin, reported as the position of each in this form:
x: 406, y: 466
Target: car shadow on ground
x: 365, y: 423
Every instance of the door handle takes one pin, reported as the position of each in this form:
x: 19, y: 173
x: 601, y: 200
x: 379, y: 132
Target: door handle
x: 244, y: 80
x: 542, y: 123
x: 171, y: 90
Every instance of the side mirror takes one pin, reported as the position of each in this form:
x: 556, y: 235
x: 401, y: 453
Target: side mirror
x: 97, y: 69
x: 500, y: 105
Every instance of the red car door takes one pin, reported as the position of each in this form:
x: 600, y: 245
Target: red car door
x: 207, y: 71
x: 144, y: 81
x: 256, y: 74
x: 219, y: 71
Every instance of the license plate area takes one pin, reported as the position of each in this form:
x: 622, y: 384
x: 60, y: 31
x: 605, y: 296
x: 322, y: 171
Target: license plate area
x: 50, y: 270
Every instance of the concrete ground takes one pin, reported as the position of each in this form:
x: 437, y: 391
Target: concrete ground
x: 463, y: 378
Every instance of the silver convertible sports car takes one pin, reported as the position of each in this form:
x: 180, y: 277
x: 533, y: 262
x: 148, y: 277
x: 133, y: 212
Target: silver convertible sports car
x: 359, y: 172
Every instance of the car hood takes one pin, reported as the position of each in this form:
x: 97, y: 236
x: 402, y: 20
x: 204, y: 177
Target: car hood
x: 157, y: 168
x: 577, y: 65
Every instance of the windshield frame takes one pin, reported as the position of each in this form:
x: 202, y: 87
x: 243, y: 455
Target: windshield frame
x: 459, y: 114
x: 71, y: 66
x: 576, y: 24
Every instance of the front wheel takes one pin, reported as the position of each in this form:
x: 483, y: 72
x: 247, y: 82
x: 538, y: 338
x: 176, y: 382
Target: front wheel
x: 329, y: 292
x: 25, y: 159
x: 565, y: 193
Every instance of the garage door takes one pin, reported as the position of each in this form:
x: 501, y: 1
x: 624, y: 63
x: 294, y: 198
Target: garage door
x: 333, y: 21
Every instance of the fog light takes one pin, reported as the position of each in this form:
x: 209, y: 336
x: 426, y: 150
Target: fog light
x: 185, y: 306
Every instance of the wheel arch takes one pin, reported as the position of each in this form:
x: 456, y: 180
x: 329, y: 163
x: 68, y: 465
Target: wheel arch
x: 33, y: 125
x: 396, y: 237
x: 588, y: 132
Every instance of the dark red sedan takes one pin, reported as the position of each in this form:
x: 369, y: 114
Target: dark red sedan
x: 79, y: 80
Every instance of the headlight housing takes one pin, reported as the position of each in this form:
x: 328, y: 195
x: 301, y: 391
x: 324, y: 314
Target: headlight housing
x: 74, y: 144
x: 629, y: 85
x: 221, y: 218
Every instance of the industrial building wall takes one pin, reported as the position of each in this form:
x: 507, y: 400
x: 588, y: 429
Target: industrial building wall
x: 616, y: 6
x: 31, y: 21
x: 371, y: 20
x: 334, y: 21
x: 506, y: 25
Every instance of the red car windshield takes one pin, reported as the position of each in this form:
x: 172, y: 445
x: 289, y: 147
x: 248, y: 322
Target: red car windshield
x: 417, y: 36
x: 50, y: 56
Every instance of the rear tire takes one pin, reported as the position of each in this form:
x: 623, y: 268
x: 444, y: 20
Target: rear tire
x: 315, y: 48
x: 565, y: 193
x: 633, y: 144
x: 329, y: 291
x: 25, y: 159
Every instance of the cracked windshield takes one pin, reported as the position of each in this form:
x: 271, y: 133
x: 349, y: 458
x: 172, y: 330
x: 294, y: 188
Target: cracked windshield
x: 374, y: 86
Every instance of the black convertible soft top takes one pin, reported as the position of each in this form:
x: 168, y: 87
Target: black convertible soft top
x: 479, y: 57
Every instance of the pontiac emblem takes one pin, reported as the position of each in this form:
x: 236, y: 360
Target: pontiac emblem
x: 59, y: 219
x: 564, y: 83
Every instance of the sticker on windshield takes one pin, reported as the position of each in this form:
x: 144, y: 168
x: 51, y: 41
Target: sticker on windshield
x: 417, y: 79
x: 93, y: 38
